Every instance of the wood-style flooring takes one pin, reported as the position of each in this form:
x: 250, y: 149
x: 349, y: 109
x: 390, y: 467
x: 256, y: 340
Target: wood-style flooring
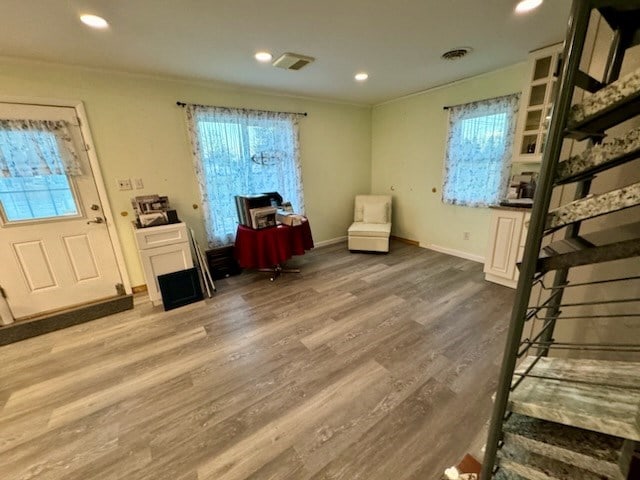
x: 363, y: 366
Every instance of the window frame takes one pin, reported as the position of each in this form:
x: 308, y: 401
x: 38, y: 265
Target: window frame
x: 508, y: 105
x: 73, y: 188
x: 284, y: 131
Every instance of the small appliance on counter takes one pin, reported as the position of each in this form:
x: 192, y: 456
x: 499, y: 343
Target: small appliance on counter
x: 522, y: 185
x: 522, y: 188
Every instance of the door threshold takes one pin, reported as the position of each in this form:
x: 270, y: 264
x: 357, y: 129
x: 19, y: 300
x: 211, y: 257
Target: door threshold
x: 34, y: 326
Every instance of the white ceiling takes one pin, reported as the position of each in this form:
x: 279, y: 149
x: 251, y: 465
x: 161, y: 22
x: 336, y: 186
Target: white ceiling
x: 398, y: 42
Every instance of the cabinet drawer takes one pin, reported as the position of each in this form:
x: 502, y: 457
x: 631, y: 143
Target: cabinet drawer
x: 160, y: 236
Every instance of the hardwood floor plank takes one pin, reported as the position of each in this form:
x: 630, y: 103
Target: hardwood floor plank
x: 362, y: 366
x: 285, y: 466
x: 66, y: 383
x: 246, y: 456
x: 387, y: 438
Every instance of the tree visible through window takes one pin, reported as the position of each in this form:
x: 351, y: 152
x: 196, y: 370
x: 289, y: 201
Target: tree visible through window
x: 240, y: 152
x: 478, y: 153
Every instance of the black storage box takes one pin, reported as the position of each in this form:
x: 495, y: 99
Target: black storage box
x: 180, y: 288
x: 222, y: 263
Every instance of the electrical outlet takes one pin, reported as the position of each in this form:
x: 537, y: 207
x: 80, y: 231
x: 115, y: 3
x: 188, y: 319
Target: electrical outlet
x: 138, y: 183
x: 125, y: 184
x: 466, y: 235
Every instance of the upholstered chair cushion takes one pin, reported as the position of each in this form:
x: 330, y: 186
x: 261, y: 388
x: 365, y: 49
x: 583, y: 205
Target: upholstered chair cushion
x: 375, y: 212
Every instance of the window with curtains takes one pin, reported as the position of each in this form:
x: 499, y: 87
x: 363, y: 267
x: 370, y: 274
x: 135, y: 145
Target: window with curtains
x: 477, y: 160
x: 36, y: 159
x: 240, y: 152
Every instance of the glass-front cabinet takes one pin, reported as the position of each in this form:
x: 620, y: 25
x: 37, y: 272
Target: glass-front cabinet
x: 536, y: 104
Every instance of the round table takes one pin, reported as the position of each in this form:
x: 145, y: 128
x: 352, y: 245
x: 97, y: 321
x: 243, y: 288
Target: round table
x: 270, y: 247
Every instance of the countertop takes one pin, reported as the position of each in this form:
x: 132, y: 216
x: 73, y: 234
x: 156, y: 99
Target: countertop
x: 512, y: 208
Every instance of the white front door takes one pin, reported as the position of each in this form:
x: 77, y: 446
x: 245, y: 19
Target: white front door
x: 55, y: 248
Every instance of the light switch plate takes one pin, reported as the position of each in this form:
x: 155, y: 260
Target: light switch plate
x: 138, y: 183
x: 125, y: 184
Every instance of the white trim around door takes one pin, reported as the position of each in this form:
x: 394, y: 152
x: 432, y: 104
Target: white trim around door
x: 95, y: 167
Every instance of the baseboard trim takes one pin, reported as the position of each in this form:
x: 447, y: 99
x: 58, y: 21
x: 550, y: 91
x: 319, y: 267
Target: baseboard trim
x: 331, y: 241
x: 501, y: 281
x: 139, y: 289
x: 23, y: 329
x: 415, y: 243
x: 454, y: 252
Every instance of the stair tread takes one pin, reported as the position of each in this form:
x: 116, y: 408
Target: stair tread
x: 601, y: 372
x: 609, y: 106
x: 603, y: 246
x: 599, y: 157
x: 597, y: 452
x: 594, y: 206
x: 504, y: 474
x: 539, y: 467
x: 577, y: 399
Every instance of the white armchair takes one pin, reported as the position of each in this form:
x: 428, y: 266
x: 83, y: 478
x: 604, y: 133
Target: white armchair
x: 371, y: 227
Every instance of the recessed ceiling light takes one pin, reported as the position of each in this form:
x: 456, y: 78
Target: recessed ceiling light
x: 361, y: 77
x: 263, y: 57
x: 527, y: 5
x: 94, y: 21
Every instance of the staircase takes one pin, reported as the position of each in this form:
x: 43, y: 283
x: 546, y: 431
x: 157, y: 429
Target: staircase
x: 558, y: 418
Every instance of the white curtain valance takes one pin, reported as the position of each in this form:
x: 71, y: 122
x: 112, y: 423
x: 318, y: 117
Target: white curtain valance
x: 31, y: 148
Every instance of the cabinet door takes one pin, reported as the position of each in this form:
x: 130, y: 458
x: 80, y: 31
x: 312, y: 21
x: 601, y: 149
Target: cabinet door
x: 506, y: 227
x: 523, y: 241
x: 161, y: 260
x: 536, y: 104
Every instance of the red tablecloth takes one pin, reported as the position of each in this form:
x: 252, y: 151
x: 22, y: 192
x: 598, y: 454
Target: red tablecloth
x: 272, y: 246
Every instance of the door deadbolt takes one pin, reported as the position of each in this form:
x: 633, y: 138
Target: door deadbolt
x: 95, y: 207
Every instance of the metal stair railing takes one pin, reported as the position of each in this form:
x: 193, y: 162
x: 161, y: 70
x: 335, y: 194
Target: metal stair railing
x: 571, y: 77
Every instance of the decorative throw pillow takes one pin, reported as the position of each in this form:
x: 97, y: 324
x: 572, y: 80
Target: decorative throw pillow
x: 375, y: 213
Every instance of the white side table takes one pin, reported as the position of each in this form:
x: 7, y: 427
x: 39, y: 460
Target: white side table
x: 163, y: 249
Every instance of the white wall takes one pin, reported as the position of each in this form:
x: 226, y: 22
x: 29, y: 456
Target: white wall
x: 139, y: 132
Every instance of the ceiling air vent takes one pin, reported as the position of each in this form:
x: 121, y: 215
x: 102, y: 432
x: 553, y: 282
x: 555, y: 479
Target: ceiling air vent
x: 292, y: 61
x: 456, y: 53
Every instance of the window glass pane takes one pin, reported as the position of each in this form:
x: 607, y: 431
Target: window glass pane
x: 543, y: 65
x: 537, y: 95
x: 479, y: 144
x: 243, y: 153
x: 31, y: 198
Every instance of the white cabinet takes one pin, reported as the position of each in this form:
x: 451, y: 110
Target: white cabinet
x: 162, y: 249
x: 536, y: 104
x: 506, y: 245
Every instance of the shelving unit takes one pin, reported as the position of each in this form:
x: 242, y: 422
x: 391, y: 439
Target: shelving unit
x: 554, y: 417
x: 536, y: 104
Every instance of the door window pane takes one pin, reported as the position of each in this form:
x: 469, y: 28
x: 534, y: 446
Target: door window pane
x: 38, y: 197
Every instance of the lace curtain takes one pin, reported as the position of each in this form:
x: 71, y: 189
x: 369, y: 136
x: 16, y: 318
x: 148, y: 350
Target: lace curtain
x: 32, y: 148
x: 240, y: 152
x: 478, y: 157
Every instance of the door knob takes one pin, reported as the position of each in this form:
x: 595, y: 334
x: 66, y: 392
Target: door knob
x: 96, y: 220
